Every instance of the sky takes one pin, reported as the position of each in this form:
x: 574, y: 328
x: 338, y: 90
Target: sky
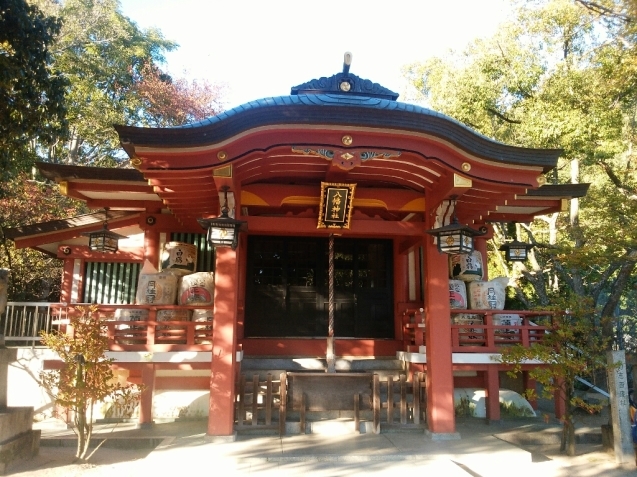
x: 261, y: 49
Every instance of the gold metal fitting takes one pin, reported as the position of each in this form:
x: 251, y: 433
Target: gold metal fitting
x: 222, y: 156
x: 541, y: 180
x: 136, y: 162
x: 347, y: 140
x: 466, y: 166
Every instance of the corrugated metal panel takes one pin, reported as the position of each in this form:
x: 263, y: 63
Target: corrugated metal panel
x: 205, y: 253
x: 110, y: 283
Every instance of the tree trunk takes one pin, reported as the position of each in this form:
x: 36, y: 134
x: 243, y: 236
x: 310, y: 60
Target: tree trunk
x: 576, y: 231
x: 80, y: 425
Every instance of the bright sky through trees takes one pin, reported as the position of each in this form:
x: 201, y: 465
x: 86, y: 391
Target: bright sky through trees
x: 262, y: 48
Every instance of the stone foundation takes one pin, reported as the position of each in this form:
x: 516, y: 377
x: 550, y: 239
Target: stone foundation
x: 17, y: 439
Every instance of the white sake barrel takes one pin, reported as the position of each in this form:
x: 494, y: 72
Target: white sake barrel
x: 132, y: 314
x: 468, y: 333
x: 203, y: 333
x: 172, y: 334
x: 506, y: 319
x: 173, y: 315
x: 197, y: 289
x: 487, y: 295
x: 156, y: 289
x: 179, y: 258
x: 457, y: 294
x: 466, y: 267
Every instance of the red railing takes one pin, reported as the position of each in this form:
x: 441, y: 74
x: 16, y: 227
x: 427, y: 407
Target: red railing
x: 479, y: 335
x: 151, y: 335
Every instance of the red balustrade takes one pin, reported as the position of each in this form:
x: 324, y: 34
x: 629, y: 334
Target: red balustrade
x: 149, y: 335
x: 481, y: 336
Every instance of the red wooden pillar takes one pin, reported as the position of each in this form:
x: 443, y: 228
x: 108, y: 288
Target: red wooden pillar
x: 493, y: 393
x: 440, y: 408
x: 151, y: 246
x: 146, y: 398
x: 401, y: 288
x: 529, y: 383
x: 224, y: 346
x: 67, y: 280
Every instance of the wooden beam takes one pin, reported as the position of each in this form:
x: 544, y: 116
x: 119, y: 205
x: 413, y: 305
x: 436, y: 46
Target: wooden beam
x: 307, y: 226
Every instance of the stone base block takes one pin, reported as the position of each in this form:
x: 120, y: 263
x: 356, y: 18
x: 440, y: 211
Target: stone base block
x: 23, y: 446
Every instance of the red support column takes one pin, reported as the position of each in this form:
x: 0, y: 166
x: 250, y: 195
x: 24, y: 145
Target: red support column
x: 492, y: 394
x: 151, y: 246
x: 224, y: 346
x: 401, y: 288
x: 146, y: 398
x: 67, y: 280
x: 440, y: 407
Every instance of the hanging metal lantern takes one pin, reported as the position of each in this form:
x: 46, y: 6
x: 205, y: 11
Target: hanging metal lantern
x: 454, y: 238
x: 223, y: 231
x: 516, y: 251
x: 104, y: 240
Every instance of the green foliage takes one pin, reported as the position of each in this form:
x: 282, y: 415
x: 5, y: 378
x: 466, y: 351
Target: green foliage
x: 572, y: 348
x: 102, y: 53
x: 86, y: 376
x: 31, y: 90
x: 26, y: 201
x: 465, y: 408
x: 561, y: 74
x: 81, y: 64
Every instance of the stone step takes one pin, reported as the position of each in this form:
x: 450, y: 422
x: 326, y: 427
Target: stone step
x: 276, y: 366
x: 333, y: 427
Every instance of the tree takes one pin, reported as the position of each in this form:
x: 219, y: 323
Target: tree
x: 86, y: 376
x: 113, y: 69
x: 101, y: 52
x: 33, y: 276
x: 571, y: 349
x: 111, y: 76
x: 31, y: 89
x: 171, y: 102
x: 560, y: 76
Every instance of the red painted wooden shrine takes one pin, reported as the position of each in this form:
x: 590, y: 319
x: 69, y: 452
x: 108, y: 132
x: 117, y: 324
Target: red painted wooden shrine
x: 272, y: 155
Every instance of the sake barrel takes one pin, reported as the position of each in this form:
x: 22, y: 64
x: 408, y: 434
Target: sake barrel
x: 203, y: 333
x: 172, y: 334
x: 156, y: 289
x: 487, y: 295
x: 197, y: 289
x: 507, y: 319
x: 469, y: 336
x: 466, y: 267
x: 457, y: 294
x: 173, y: 315
x: 179, y: 258
x: 137, y: 333
x: 131, y: 314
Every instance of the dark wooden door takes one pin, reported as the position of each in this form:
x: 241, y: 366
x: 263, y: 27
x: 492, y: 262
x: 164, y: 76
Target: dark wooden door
x: 287, y: 288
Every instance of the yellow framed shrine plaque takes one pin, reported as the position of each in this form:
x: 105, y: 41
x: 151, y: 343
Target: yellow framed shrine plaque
x: 335, y: 208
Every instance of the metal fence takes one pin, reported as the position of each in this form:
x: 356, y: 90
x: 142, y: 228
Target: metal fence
x: 22, y: 322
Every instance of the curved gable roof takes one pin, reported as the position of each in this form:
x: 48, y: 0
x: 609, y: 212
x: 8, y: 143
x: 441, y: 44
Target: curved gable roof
x: 320, y: 103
